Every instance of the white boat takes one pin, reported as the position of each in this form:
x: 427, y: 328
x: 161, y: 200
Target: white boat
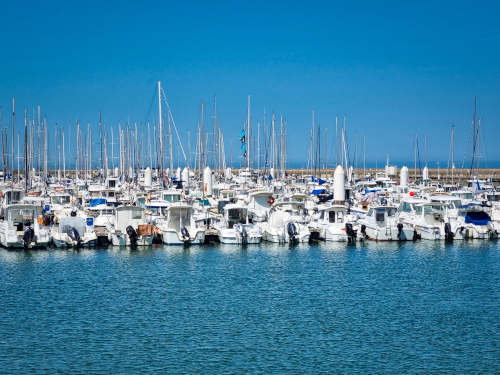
x: 381, y: 224
x: 104, y: 219
x: 287, y: 223
x: 235, y: 228
x: 429, y: 221
x: 130, y: 227
x: 179, y: 227
x: 473, y: 222
x: 22, y: 227
x: 74, y: 231
x: 259, y: 204
x: 334, y: 223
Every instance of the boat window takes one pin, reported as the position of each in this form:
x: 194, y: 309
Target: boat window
x: 112, y: 183
x: 172, y: 198
x: 391, y: 211
x: 405, y: 207
x: 418, y: 210
x: 60, y: 199
x: 331, y: 216
x: 340, y: 216
x: 136, y: 214
x: 370, y: 212
x: 380, y: 216
x: 430, y: 209
x: 16, y: 196
x: 494, y: 197
x: 236, y: 215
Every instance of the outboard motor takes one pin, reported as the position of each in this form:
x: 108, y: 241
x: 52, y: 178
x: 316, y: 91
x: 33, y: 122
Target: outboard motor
x: 363, y: 231
x: 448, y: 234
x: 28, y: 236
x: 351, y: 233
x: 74, y: 235
x: 185, y: 234
x: 244, y: 234
x: 400, y: 231
x: 132, y: 235
x: 292, y: 231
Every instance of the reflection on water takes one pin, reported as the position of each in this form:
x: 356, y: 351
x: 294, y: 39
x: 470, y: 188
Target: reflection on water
x: 321, y: 308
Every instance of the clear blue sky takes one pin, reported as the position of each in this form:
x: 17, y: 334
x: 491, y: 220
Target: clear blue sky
x: 393, y: 69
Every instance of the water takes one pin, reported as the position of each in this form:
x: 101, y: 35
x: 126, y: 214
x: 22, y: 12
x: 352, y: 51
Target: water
x: 375, y: 308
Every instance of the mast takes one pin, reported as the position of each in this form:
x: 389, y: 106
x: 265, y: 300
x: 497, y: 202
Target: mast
x: 160, y: 130
x: 215, y: 133
x: 258, y: 145
x: 474, y: 137
x: 45, y: 149
x: 149, y: 148
x: 38, y: 146
x: 25, y: 150
x: 201, y: 137
x: 58, y: 154
x: 77, y: 149
x: 248, y: 134
x: 13, y: 138
x: 326, y: 150
x: 171, y: 163
x: 364, y: 156
x: 336, y: 141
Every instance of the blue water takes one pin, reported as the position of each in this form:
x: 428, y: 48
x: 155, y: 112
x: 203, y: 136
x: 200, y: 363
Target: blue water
x: 375, y: 308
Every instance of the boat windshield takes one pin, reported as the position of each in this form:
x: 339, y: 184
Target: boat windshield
x: 61, y: 199
x: 236, y: 215
x: 391, y: 211
x: 432, y: 209
x: 171, y: 197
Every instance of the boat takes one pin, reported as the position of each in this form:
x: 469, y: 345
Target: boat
x: 130, y: 227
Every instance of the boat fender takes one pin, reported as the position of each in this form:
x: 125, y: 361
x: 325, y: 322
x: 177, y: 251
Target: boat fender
x: 132, y: 235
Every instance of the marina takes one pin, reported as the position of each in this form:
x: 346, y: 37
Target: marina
x: 249, y: 188
x: 136, y: 197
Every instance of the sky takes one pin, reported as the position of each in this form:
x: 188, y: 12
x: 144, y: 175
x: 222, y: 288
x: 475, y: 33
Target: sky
x: 393, y: 69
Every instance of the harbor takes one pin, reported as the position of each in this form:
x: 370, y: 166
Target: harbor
x: 249, y: 188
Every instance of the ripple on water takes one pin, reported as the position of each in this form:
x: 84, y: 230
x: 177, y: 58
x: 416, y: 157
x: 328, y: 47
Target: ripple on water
x: 376, y: 307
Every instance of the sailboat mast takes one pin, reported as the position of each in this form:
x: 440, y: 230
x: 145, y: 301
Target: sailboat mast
x: 248, y: 134
x: 25, y: 150
x: 160, y: 130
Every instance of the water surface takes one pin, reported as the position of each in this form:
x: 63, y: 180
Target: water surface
x: 376, y: 308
